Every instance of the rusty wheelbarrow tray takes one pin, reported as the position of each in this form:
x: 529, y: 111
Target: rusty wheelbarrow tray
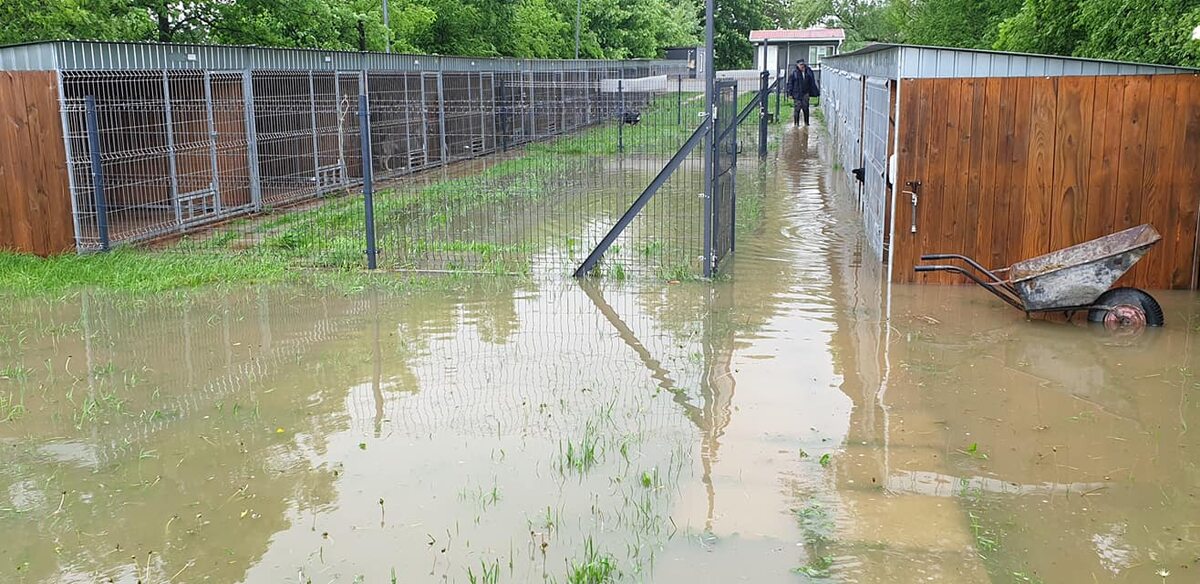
x: 1071, y: 279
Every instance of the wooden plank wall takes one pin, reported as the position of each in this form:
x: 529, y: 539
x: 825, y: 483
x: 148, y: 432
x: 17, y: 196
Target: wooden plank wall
x: 1015, y: 168
x: 35, y: 200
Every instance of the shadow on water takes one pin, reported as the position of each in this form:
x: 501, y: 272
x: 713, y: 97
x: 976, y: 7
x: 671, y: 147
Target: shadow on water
x: 769, y: 427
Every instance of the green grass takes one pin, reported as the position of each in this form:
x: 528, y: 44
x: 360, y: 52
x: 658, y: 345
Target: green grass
x: 150, y: 272
x: 488, y: 574
x: 134, y: 271
x: 817, y: 567
x: 583, y: 454
x: 607, y: 139
x: 596, y: 567
x: 15, y: 373
x: 12, y: 404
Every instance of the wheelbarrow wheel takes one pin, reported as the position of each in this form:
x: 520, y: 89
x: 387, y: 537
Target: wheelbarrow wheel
x: 1125, y: 309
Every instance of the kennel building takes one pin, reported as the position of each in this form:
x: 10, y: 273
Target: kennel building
x: 189, y: 135
x: 1004, y: 157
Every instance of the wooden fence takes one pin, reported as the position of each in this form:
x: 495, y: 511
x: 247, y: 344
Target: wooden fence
x: 35, y: 201
x: 1015, y: 168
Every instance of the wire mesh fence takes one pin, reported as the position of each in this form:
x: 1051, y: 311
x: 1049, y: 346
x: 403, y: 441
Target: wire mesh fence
x: 478, y: 166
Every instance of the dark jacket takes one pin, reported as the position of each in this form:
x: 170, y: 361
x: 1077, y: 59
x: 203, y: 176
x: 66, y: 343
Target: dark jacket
x: 802, y: 85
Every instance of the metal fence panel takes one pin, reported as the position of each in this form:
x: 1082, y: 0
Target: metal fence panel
x: 519, y: 168
x: 876, y: 120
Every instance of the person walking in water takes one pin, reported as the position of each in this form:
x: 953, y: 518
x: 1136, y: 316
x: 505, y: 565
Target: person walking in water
x: 801, y: 85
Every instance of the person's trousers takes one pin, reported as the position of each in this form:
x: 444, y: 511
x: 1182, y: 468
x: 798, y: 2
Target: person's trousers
x: 801, y: 105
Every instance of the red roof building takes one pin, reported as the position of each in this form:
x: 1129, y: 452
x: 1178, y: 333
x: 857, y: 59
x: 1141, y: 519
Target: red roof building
x: 776, y: 50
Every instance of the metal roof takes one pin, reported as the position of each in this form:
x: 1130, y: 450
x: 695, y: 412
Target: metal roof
x: 914, y: 61
x: 102, y: 55
x: 803, y: 34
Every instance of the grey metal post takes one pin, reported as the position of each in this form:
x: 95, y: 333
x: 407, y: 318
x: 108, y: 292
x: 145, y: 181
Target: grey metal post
x: 502, y: 122
x: 778, y: 96
x: 710, y: 138
x: 215, y: 183
x: 562, y: 102
x: 364, y: 126
x: 679, y: 100
x: 578, y: 12
x: 483, y: 112
x: 733, y: 151
x: 621, y: 113
x: 587, y: 97
x: 762, y: 115
x: 424, y: 121
x: 531, y: 119
x: 341, y: 126
x: 387, y: 29
x: 408, y: 124
x: 442, y: 114
x: 70, y: 158
x: 93, y: 133
x: 251, y: 140
x: 312, y: 120
x: 172, y: 167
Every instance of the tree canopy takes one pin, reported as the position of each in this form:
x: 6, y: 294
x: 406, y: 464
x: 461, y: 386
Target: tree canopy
x: 514, y: 28
x: 1152, y: 31
x: 1157, y: 31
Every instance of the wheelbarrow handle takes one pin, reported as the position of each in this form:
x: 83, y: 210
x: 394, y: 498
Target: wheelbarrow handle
x: 969, y: 261
x: 1001, y: 290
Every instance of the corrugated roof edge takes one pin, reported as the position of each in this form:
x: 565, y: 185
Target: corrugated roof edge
x: 876, y: 47
x: 297, y: 49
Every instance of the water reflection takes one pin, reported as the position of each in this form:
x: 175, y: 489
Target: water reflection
x: 770, y: 427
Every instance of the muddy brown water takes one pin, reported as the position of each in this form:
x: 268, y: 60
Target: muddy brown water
x: 768, y: 428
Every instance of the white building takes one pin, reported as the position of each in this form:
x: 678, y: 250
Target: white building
x: 776, y: 50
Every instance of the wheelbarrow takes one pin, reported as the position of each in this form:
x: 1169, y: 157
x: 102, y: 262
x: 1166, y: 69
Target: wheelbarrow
x: 1073, y: 279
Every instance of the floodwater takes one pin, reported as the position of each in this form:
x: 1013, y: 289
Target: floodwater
x: 767, y: 428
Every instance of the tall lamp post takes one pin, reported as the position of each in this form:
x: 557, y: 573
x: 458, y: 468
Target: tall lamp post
x: 387, y: 30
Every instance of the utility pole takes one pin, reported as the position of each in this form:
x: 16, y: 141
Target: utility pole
x: 578, y: 11
x: 387, y: 30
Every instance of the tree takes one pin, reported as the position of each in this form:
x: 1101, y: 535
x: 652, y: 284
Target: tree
x: 1049, y: 27
x: 525, y: 28
x: 955, y: 23
x: 538, y: 30
x: 733, y: 21
x: 864, y: 20
x: 29, y: 20
x: 1140, y: 30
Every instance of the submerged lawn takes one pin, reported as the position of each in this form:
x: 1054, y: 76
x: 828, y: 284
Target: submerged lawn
x: 152, y: 272
x: 133, y: 270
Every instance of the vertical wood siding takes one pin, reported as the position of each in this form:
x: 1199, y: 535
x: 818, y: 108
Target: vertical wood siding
x: 35, y: 204
x: 1015, y: 168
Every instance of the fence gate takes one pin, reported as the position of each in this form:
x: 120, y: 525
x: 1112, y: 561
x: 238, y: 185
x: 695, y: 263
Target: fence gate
x: 875, y: 155
x: 724, y: 159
